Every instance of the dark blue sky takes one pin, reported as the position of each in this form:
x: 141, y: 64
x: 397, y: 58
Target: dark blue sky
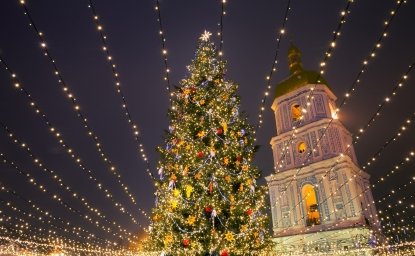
x: 250, y: 31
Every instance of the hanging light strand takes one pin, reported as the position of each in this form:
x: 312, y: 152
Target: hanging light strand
x: 48, y: 215
x: 404, y: 127
x: 373, y: 52
x: 39, y: 243
x: 57, y: 244
x: 55, y: 177
x: 220, y: 32
x: 57, y: 198
x: 49, y: 223
x: 32, y: 231
x: 268, y: 79
x: 76, y: 105
x: 134, y: 127
x: 385, y: 101
x: 164, y: 51
x: 396, y: 168
x: 58, y: 136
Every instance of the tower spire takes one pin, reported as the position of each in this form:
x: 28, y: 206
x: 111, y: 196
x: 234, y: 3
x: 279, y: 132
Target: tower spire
x: 294, y: 59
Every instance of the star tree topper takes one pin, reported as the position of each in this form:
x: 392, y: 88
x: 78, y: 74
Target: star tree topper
x: 205, y: 36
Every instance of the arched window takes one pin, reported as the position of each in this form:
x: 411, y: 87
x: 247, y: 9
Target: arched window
x: 311, y: 205
x: 302, y: 147
x: 296, y: 113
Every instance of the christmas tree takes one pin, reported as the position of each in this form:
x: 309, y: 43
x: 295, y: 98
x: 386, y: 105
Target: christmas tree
x: 208, y: 202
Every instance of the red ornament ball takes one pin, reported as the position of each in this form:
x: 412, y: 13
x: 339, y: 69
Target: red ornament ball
x: 219, y: 131
x: 249, y: 212
x: 208, y: 209
x: 200, y: 154
x: 224, y: 253
x: 186, y: 242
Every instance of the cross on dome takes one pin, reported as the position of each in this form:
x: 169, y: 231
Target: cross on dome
x: 205, y: 36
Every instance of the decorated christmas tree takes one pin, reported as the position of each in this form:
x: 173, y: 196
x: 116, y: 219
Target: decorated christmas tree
x: 208, y: 202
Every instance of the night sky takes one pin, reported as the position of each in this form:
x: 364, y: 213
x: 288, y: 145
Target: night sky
x: 250, y: 32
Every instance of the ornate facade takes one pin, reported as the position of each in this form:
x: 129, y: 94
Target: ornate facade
x: 320, y: 198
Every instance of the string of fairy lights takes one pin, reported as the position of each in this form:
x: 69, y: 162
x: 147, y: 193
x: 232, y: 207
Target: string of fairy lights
x: 13, y: 221
x: 76, y: 106
x: 48, y: 223
x: 393, y: 93
x: 220, y: 32
x: 403, y: 128
x: 45, y: 214
x: 268, y: 79
x: 63, y: 223
x: 55, y: 177
x: 56, y: 244
x: 396, y: 221
x: 58, y: 136
x: 378, y: 152
x: 105, y: 48
x: 164, y: 50
x: 59, y: 199
x: 74, y: 246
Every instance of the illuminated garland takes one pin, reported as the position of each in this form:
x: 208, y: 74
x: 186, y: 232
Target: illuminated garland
x: 26, y: 227
x: 387, y: 100
x: 407, y: 123
x: 220, y: 32
x: 273, y: 66
x: 164, y: 50
x: 50, y: 216
x: 37, y: 162
x: 61, y: 246
x: 118, y: 88
x: 57, y: 198
x: 48, y: 222
x: 58, y: 136
x: 75, y: 104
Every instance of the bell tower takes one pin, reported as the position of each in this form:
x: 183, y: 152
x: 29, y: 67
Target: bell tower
x: 320, y: 198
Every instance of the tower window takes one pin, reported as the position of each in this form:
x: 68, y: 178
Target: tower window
x: 296, y: 113
x: 302, y: 147
x: 311, y: 205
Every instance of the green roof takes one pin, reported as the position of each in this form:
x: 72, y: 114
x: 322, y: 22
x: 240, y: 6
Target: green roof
x: 298, y: 76
x: 298, y: 80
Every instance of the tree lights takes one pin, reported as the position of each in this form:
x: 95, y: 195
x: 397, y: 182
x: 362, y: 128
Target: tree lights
x: 207, y: 197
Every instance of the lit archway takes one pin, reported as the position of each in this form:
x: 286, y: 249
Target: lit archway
x: 308, y: 193
x: 296, y: 113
